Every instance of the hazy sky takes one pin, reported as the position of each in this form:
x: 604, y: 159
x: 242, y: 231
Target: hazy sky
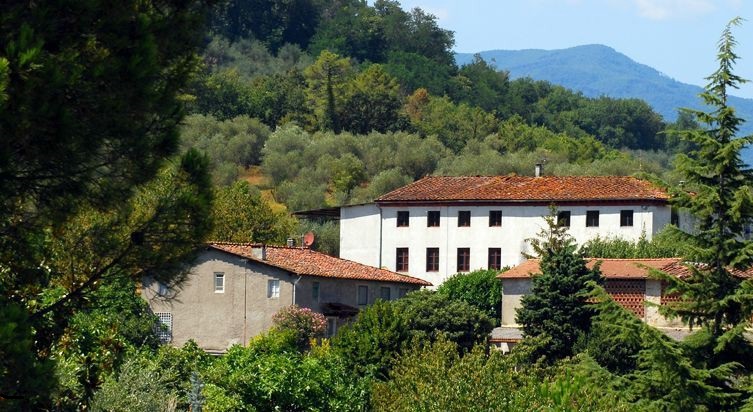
x: 676, y: 37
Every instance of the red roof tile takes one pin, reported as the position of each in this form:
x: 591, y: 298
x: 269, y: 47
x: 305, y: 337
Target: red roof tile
x: 619, y: 268
x: 526, y: 188
x: 307, y: 262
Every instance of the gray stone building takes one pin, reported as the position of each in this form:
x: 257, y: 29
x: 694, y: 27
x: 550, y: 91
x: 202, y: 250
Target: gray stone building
x: 234, y: 289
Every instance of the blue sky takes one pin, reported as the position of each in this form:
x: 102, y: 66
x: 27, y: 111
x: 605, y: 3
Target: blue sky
x: 676, y: 37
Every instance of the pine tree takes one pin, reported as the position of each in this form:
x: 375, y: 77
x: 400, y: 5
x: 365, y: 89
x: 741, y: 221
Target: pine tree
x: 557, y: 308
x: 719, y: 195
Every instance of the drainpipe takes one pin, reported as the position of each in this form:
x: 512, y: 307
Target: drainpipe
x: 379, y: 264
x: 245, y: 308
x: 295, y: 285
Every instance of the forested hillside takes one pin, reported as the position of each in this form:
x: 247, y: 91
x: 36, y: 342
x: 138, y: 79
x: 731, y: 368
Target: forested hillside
x: 346, y: 101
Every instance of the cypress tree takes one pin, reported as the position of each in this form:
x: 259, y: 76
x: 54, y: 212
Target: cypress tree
x: 557, y: 309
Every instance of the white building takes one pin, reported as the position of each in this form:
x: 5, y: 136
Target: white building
x: 438, y: 225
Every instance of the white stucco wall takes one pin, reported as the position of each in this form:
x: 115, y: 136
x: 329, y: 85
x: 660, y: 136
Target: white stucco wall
x: 513, y: 291
x: 360, y: 233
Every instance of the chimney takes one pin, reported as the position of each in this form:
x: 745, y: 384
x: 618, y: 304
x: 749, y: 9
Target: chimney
x: 291, y: 242
x: 539, y: 170
x: 259, y: 252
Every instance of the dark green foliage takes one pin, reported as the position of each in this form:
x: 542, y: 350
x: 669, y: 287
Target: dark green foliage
x: 380, y: 332
x: 557, y: 307
x: 720, y: 197
x: 480, y: 289
x: 327, y: 235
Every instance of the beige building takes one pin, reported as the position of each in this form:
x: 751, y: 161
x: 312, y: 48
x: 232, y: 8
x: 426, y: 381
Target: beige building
x: 627, y: 281
x: 234, y: 289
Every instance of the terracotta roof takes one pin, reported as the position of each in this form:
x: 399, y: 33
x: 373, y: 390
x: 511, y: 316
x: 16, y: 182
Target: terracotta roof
x: 526, y: 188
x: 619, y: 268
x: 307, y: 262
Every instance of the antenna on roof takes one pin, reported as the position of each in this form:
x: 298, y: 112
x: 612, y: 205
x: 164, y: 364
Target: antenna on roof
x: 308, y: 239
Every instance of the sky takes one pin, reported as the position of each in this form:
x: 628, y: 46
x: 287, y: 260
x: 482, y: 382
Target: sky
x: 676, y: 37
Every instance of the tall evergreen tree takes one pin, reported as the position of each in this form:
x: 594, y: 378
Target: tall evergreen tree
x: 557, y: 309
x: 719, y: 195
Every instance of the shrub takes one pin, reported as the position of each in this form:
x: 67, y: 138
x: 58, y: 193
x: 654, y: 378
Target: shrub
x: 306, y: 324
x: 480, y: 289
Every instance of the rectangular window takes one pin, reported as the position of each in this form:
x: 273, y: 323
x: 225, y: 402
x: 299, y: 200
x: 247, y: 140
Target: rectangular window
x: 464, y: 218
x: 273, y: 288
x: 495, y: 218
x: 402, y: 292
x: 464, y: 259
x: 495, y: 258
x: 219, y: 282
x: 384, y: 293
x: 432, y: 220
x: 674, y: 217
x: 401, y: 260
x: 315, y: 291
x: 432, y: 259
x: 626, y: 218
x: 403, y: 218
x: 563, y: 218
x: 363, y: 295
x: 592, y: 218
x: 164, y: 327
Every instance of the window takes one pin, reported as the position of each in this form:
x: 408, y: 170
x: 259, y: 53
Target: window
x: 626, y: 218
x: 402, y: 292
x: 219, y: 282
x: 162, y: 289
x: 592, y: 218
x: 674, y: 217
x: 384, y: 293
x: 331, y: 326
x: 495, y: 218
x: 432, y: 220
x: 563, y: 218
x: 495, y: 258
x: 403, y: 218
x: 401, y: 261
x: 464, y: 259
x: 464, y: 218
x: 315, y: 291
x: 273, y: 288
x: 363, y: 295
x: 432, y: 259
x: 164, y: 326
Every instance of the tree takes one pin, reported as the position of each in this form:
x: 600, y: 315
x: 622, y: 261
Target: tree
x: 718, y: 193
x: 480, y: 289
x: 373, y: 102
x: 326, y: 82
x: 557, y: 307
x: 242, y: 215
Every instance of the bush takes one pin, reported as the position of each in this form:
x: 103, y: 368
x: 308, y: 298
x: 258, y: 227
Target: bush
x: 305, y: 323
x: 140, y: 386
x: 480, y: 289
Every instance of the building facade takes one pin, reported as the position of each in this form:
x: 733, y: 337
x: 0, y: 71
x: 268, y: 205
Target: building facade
x: 233, y: 290
x: 438, y: 226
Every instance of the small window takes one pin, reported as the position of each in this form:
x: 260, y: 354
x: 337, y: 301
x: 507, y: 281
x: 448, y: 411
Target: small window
x: 403, y: 218
x: 464, y: 218
x: 162, y: 289
x: 401, y: 260
x: 331, y: 326
x: 432, y: 259
x: 273, y: 288
x: 464, y: 259
x: 315, y: 291
x: 563, y: 218
x: 363, y: 295
x: 495, y: 218
x: 432, y: 220
x: 592, y: 218
x: 626, y: 218
x: 384, y: 293
x: 674, y: 217
x: 402, y: 292
x: 164, y: 327
x: 219, y: 282
x: 495, y: 258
